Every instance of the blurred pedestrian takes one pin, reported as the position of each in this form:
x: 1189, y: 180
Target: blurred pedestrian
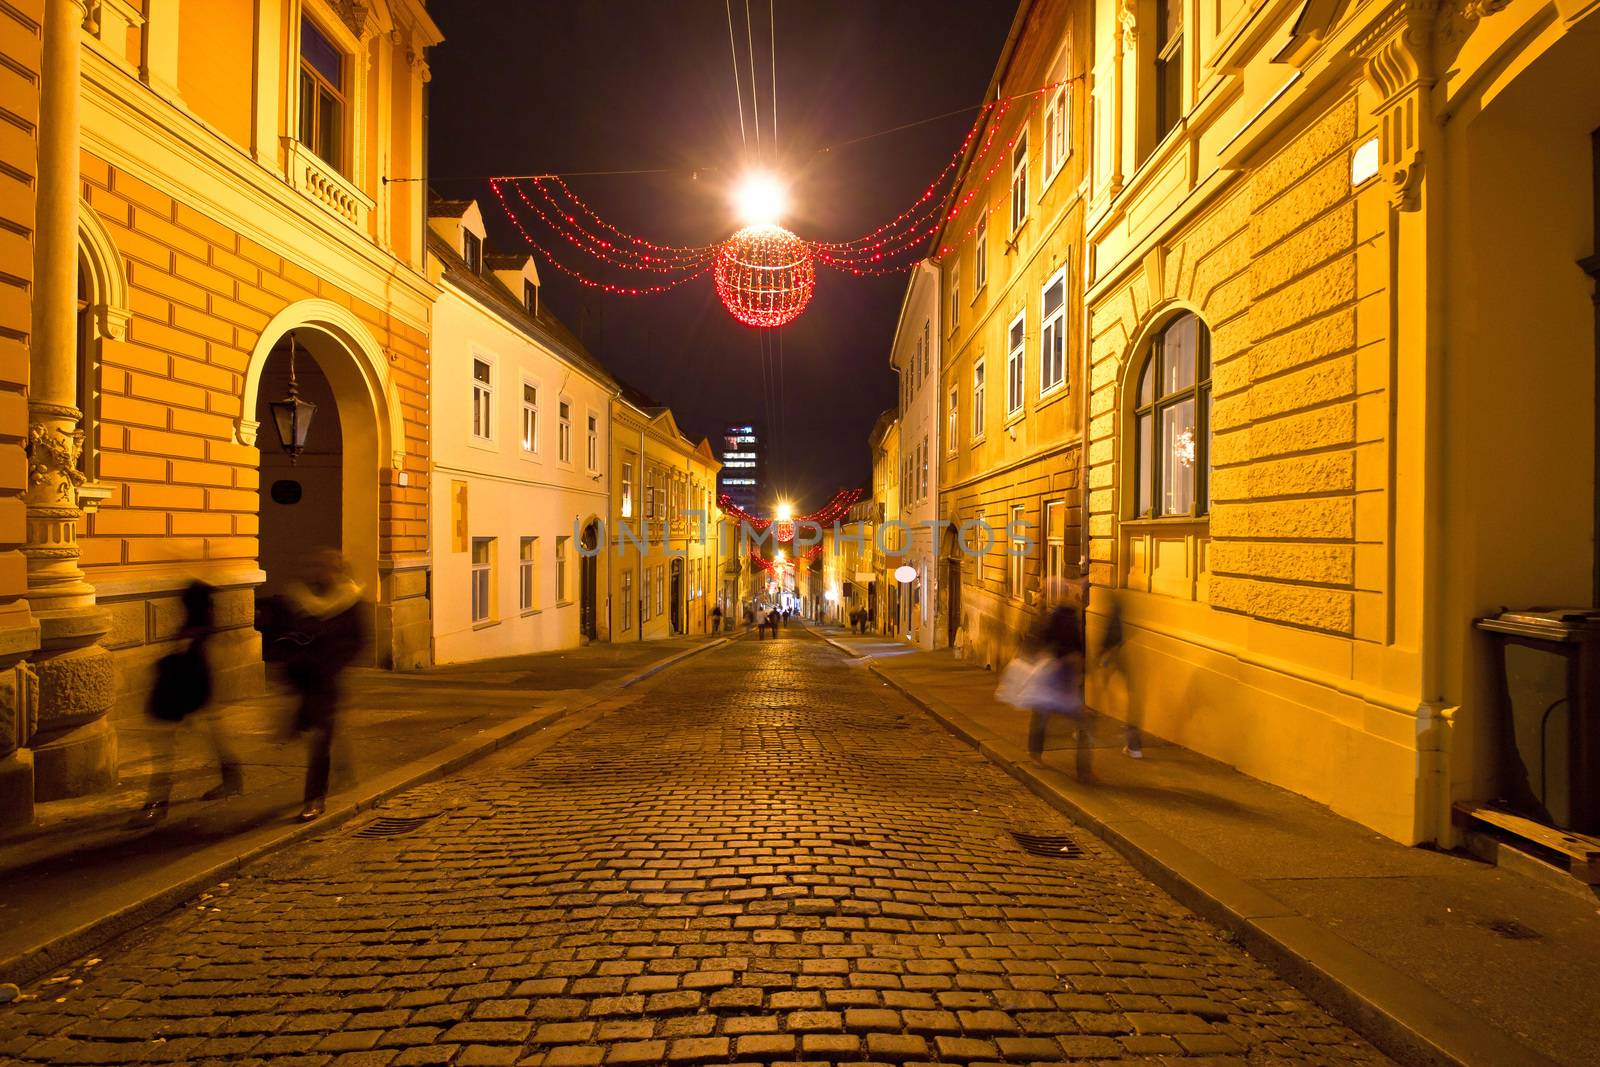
x: 716, y: 619
x: 182, y: 688
x: 1046, y: 679
x: 1113, y: 664
x: 328, y: 632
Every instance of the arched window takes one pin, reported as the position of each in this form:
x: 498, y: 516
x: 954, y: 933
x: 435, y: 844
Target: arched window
x: 1172, y: 422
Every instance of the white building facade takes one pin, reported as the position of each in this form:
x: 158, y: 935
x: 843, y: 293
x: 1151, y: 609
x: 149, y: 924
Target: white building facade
x: 520, y: 420
x: 915, y: 356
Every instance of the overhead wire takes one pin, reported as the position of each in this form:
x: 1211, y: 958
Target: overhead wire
x: 733, y: 50
x: 755, y: 104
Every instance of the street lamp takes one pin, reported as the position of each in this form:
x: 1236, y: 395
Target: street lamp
x: 292, y: 415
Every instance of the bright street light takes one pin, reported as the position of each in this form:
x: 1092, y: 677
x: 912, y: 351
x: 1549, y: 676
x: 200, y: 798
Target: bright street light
x: 760, y: 199
x: 785, y: 511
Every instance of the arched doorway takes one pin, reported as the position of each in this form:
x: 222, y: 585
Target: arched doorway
x: 327, y: 496
x: 677, y: 596
x: 589, y: 581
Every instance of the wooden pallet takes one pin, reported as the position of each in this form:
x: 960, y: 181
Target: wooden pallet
x: 1581, y: 852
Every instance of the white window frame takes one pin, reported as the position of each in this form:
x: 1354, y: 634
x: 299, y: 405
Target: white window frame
x: 980, y: 254
x: 1017, y: 366
x: 1019, y: 184
x: 480, y: 581
x: 561, y: 568
x: 1016, y: 573
x: 1055, y: 544
x: 530, y: 418
x: 1058, y: 123
x: 483, y: 419
x: 1053, y: 329
x: 564, y: 430
x: 625, y: 508
x: 530, y: 297
x: 952, y: 426
x: 922, y: 479
x: 592, y: 438
x: 472, y: 251
x: 980, y: 391
x: 955, y: 297
x: 528, y: 575
x: 627, y: 600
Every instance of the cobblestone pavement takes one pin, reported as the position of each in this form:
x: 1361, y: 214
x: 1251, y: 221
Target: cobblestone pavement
x: 766, y: 856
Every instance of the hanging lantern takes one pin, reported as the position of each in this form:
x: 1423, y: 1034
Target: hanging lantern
x: 292, y: 415
x: 765, y: 275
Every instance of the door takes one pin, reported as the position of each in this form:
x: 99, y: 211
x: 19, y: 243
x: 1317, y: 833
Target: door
x: 952, y: 582
x: 589, y: 584
x: 677, y: 596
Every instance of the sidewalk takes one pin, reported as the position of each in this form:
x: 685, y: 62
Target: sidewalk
x: 1433, y: 956
x: 81, y: 874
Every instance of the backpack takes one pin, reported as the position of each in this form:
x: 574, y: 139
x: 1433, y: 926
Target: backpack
x: 182, y: 684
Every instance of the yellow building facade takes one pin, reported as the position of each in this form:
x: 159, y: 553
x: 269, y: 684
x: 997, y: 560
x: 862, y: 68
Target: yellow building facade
x: 1011, y: 389
x: 662, y: 554
x: 1342, y: 364
x: 211, y: 195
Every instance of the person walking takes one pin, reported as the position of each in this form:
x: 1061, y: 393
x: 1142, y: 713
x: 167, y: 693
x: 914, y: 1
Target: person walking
x: 1113, y: 665
x: 716, y: 619
x: 1045, y: 679
x: 328, y: 632
x: 183, y: 688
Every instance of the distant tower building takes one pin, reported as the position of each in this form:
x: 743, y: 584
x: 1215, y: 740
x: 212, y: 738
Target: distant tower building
x: 741, y: 476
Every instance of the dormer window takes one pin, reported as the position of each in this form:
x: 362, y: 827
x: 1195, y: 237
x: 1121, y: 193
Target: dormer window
x: 530, y: 297
x: 322, y: 95
x: 472, y: 251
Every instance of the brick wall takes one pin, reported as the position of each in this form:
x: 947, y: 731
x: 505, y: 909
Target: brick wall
x: 20, y: 44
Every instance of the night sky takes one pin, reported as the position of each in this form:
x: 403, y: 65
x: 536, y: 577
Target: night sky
x: 525, y: 87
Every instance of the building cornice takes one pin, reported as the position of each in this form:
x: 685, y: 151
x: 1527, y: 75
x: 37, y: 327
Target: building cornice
x: 131, y: 127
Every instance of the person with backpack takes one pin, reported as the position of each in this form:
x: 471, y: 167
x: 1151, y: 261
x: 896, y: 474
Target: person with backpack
x: 182, y: 688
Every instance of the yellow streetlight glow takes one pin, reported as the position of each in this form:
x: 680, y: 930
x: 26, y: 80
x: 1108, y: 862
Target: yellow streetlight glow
x: 785, y: 511
x: 781, y: 557
x: 760, y: 199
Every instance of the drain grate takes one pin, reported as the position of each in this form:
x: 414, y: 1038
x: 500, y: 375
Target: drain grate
x: 1055, y: 846
x: 392, y: 825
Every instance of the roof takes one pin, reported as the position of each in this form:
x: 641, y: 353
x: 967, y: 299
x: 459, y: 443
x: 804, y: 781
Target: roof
x: 492, y: 294
x: 448, y: 209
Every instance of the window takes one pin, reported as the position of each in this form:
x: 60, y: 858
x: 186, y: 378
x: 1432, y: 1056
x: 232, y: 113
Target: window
x: 627, y: 490
x: 977, y: 399
x: 472, y: 251
x: 482, y: 399
x: 1016, y: 360
x: 627, y: 600
x: 1019, y: 184
x: 649, y: 494
x: 594, y: 443
x: 530, y: 417
x: 1058, y: 121
x: 322, y: 95
x: 482, y: 577
x: 927, y: 347
x: 530, y: 297
x: 561, y: 569
x: 922, y: 480
x: 527, y: 552
x: 1016, y: 550
x: 1052, y: 333
x: 1055, y: 542
x: 952, y: 418
x: 661, y: 589
x: 955, y: 297
x: 1172, y: 422
x: 564, y: 430
x: 1169, y: 65
x: 980, y: 254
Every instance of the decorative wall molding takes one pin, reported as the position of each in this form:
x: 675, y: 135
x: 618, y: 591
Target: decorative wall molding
x: 1396, y: 53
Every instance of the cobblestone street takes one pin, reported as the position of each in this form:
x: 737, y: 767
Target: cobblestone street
x: 764, y: 855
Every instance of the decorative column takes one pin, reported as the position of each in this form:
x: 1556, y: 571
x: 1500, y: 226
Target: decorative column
x: 74, y: 747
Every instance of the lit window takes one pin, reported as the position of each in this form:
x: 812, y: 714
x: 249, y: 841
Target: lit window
x: 564, y: 431
x: 980, y: 255
x: 955, y: 297
x: 482, y: 583
x: 1172, y: 422
x: 322, y: 95
x: 1052, y: 333
x: 530, y: 417
x: 627, y: 490
x: 594, y: 443
x: 527, y: 553
x: 952, y: 419
x: 1016, y: 359
x: 1169, y: 65
x: 530, y: 297
x: 1019, y: 183
x: 561, y: 569
x: 977, y: 399
x: 1055, y: 541
x: 482, y: 400
x: 472, y: 251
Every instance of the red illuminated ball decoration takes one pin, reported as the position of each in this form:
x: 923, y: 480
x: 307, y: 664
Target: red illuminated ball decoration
x: 765, y: 275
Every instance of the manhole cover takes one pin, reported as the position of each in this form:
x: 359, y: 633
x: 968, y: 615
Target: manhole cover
x: 392, y: 825
x: 1513, y: 930
x: 1056, y: 846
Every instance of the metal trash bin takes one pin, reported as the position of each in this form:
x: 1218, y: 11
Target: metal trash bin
x: 1559, y: 740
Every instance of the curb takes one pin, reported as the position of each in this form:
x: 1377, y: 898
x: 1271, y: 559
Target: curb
x: 1401, y: 1016
x: 38, y: 960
